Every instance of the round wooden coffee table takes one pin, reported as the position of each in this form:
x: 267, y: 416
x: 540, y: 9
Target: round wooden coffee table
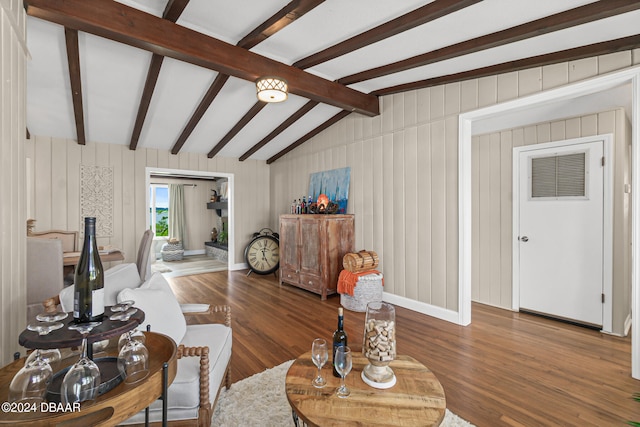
x: 417, y: 399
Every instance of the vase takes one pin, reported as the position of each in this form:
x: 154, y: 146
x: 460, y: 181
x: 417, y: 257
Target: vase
x: 379, y: 344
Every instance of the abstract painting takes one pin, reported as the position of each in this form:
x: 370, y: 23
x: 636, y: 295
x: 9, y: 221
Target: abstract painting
x: 334, y: 183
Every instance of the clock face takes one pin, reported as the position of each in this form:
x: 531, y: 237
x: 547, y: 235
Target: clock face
x: 263, y: 255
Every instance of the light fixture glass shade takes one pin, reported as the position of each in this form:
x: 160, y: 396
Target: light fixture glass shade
x: 271, y: 89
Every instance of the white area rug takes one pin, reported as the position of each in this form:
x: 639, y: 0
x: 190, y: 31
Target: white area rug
x: 260, y: 400
x: 192, y: 264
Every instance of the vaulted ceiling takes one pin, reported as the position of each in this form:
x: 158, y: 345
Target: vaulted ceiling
x: 179, y: 75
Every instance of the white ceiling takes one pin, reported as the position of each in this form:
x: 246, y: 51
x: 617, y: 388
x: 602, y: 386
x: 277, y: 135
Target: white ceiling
x: 113, y: 74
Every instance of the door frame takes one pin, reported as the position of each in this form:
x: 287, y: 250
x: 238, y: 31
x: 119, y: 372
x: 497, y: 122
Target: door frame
x: 629, y: 77
x: 607, y: 219
x: 231, y: 208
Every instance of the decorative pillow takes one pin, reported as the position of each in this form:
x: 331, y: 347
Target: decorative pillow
x: 161, y: 310
x: 158, y: 282
x: 115, y: 280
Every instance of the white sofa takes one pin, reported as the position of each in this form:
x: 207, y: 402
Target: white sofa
x: 189, y: 396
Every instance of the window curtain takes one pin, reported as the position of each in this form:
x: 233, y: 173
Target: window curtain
x: 176, y: 213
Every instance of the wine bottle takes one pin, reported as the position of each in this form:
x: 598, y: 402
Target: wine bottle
x: 339, y: 340
x: 88, y: 301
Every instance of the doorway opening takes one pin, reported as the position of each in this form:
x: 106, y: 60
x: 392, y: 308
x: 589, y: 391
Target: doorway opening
x: 606, y: 91
x: 198, y: 223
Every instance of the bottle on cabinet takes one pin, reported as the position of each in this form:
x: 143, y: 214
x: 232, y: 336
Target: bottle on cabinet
x: 88, y: 299
x: 339, y: 340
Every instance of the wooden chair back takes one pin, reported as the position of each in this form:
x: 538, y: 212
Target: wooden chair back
x: 69, y: 238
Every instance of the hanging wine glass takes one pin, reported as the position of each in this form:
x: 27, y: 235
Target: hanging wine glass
x: 44, y: 328
x: 51, y: 356
x: 82, y: 381
x: 134, y: 334
x: 122, y: 306
x: 30, y: 383
x: 343, y: 366
x: 124, y: 316
x: 133, y: 360
x: 319, y: 355
x: 51, y: 316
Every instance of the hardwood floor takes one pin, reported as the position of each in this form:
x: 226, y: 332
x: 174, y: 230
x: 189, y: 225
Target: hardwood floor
x: 505, y: 369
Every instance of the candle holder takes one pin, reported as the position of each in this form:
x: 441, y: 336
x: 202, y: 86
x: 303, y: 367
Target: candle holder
x: 379, y: 345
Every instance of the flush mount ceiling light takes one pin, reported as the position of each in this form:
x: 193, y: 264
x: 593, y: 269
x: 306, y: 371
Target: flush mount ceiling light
x: 271, y: 89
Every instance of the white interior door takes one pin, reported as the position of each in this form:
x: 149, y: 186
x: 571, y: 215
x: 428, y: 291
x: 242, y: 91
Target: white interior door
x: 560, y: 236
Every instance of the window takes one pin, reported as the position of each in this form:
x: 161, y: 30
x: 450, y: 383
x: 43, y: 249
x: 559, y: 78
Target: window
x: 159, y: 209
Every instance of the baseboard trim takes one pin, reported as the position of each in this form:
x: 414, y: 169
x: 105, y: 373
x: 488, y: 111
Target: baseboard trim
x: 422, y: 307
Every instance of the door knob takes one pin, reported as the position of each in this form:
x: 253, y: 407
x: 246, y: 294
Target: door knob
x: 524, y: 239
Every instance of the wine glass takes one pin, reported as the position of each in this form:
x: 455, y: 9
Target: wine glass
x: 53, y: 316
x: 319, y: 355
x: 133, y: 334
x: 133, y: 360
x: 124, y: 316
x: 44, y: 328
x: 122, y: 306
x: 82, y: 380
x: 30, y: 383
x: 51, y: 356
x: 343, y: 366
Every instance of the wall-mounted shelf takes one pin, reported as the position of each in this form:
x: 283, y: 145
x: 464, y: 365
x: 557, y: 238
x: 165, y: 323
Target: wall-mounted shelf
x: 218, y: 206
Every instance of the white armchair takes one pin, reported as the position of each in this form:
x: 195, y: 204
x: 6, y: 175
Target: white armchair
x: 204, y: 351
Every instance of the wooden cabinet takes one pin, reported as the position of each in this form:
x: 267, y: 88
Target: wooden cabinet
x: 311, y: 250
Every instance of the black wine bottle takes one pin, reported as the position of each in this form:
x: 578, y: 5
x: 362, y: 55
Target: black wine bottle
x: 88, y: 301
x: 339, y: 340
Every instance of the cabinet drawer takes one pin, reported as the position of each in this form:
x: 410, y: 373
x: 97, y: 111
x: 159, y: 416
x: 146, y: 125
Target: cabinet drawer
x: 289, y: 276
x: 310, y: 282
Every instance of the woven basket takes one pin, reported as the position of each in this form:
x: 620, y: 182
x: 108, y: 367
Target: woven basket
x: 368, y: 289
x: 360, y: 261
x: 172, y: 252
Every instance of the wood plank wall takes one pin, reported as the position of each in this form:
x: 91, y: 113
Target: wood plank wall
x: 492, y: 237
x: 404, y: 172
x: 55, y: 199
x: 13, y: 295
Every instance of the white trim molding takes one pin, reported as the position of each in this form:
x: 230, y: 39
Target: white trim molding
x: 422, y: 307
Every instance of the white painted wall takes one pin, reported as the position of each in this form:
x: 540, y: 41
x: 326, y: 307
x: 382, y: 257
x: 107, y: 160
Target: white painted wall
x: 404, y: 175
x: 13, y: 291
x: 56, y: 174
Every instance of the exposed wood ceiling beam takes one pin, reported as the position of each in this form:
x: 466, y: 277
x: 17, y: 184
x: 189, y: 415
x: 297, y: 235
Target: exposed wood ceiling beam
x: 174, y: 9
x: 603, y: 48
x: 309, y: 135
x: 130, y: 26
x: 577, y: 16
x: 291, y: 120
x: 259, y: 105
x: 279, y: 20
x: 145, y: 99
x: 73, y: 58
x: 206, y: 101
x: 172, y: 12
x: 284, y: 17
x: 417, y: 17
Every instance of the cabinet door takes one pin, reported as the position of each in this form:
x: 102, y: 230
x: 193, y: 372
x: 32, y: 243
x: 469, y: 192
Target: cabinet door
x: 310, y: 245
x: 289, y: 244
